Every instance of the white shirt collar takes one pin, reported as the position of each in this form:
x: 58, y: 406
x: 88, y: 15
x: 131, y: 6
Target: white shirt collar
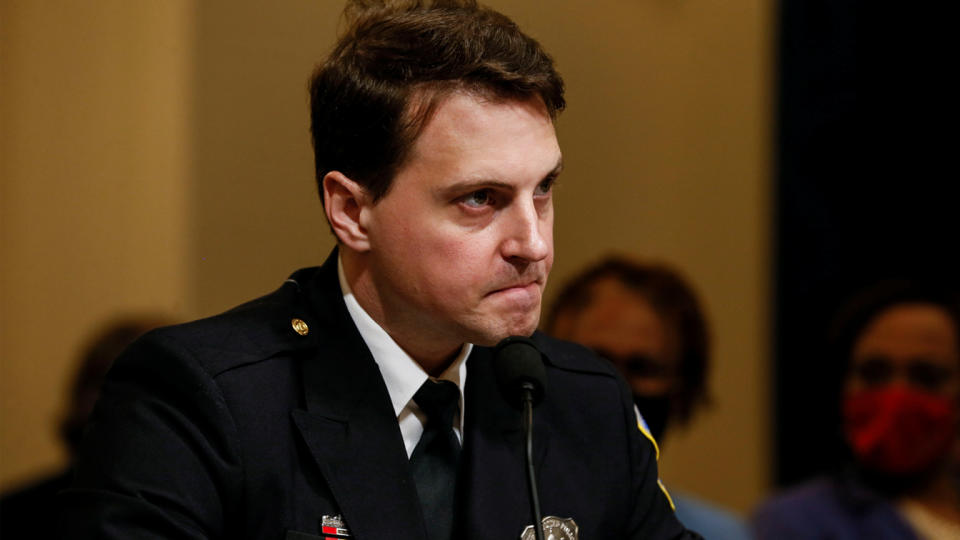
x: 401, y: 373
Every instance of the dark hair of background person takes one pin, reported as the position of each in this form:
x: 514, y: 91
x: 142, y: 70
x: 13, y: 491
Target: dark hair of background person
x: 397, y: 60
x: 673, y: 300
x: 26, y: 512
x: 860, y: 310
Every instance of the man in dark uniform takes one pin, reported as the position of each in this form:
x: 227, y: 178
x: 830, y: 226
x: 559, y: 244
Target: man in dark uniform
x: 358, y: 400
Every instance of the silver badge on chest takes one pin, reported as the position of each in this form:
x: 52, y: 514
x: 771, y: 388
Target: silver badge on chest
x: 554, y: 528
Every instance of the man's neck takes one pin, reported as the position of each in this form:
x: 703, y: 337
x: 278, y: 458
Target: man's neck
x: 433, y: 354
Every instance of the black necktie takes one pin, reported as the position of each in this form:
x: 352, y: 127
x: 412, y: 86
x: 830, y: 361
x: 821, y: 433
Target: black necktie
x: 434, y: 460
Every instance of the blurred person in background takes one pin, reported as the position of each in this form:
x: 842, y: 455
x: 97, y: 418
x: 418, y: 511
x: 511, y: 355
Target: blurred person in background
x: 646, y: 319
x: 28, y: 511
x: 900, y: 397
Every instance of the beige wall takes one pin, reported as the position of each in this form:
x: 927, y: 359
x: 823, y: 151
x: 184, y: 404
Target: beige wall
x: 94, y: 160
x: 258, y: 215
x: 193, y: 134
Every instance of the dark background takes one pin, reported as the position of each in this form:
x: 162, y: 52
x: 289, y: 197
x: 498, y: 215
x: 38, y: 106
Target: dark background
x: 864, y: 191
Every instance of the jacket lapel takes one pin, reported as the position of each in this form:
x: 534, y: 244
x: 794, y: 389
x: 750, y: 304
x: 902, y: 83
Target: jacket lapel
x: 349, y: 424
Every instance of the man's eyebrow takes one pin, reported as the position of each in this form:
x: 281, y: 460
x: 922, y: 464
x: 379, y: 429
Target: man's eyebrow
x: 470, y: 185
x: 473, y: 184
x: 557, y: 169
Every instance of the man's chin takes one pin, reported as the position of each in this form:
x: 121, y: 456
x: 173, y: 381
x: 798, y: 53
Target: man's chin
x: 493, y: 336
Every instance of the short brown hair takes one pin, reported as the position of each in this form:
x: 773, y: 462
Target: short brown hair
x: 672, y: 298
x: 396, y: 61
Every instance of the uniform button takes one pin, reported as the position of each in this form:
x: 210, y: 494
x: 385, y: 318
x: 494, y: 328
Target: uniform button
x: 300, y: 327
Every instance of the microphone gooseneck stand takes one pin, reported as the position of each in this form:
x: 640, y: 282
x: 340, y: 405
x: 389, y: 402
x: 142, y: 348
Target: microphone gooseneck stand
x: 527, y: 390
x: 518, y: 366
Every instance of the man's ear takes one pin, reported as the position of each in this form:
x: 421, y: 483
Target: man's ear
x: 343, y: 201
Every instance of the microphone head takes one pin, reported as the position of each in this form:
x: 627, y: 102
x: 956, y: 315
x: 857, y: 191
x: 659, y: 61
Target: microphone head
x: 518, y: 365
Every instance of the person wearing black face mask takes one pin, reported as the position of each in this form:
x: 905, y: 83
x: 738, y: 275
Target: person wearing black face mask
x: 899, y: 413
x: 646, y: 319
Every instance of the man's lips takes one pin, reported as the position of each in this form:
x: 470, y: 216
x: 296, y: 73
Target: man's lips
x: 529, y: 286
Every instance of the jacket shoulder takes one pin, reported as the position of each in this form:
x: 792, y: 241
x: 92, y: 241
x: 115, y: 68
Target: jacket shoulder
x: 249, y: 333
x: 570, y: 356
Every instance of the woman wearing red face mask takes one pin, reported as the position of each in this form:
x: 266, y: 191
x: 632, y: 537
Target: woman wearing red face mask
x: 901, y: 411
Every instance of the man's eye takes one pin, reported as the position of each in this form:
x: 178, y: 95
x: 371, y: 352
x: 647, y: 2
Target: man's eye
x: 478, y: 198
x: 544, y: 187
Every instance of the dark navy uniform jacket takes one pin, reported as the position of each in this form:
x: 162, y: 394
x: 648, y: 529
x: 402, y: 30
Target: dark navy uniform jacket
x: 238, y: 426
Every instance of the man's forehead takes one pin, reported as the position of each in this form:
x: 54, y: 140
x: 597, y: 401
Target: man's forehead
x: 473, y: 128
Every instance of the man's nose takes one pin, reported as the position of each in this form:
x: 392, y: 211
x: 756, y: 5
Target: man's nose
x: 529, y: 233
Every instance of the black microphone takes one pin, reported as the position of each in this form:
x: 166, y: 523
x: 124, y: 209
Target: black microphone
x: 518, y: 366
